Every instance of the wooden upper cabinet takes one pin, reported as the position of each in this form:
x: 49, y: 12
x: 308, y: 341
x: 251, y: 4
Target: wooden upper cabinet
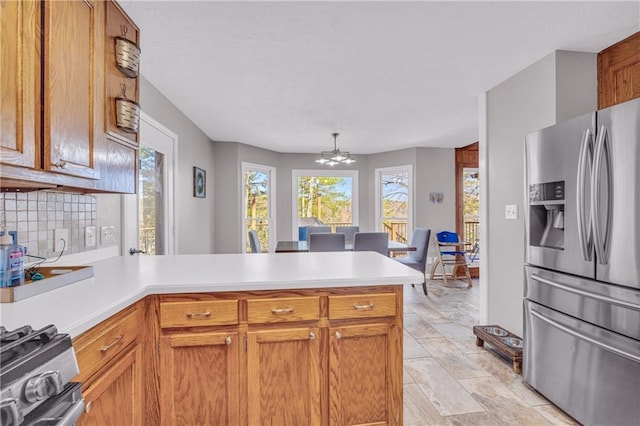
x: 118, y: 24
x: 73, y: 81
x: 19, y: 83
x: 619, y: 72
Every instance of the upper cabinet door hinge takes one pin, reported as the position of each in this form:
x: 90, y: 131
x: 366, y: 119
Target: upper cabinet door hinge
x: 244, y: 343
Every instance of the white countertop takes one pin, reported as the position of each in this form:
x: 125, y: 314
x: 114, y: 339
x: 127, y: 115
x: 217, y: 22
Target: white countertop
x: 120, y: 281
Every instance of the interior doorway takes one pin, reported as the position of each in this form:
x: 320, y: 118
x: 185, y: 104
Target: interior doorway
x: 468, y: 203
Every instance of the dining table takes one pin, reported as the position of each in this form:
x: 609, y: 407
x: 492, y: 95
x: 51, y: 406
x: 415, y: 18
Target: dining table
x: 303, y: 246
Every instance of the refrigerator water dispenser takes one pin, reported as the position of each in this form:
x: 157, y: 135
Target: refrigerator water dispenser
x: 546, y: 204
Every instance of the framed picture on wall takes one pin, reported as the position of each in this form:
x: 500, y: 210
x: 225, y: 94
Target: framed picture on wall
x: 199, y: 183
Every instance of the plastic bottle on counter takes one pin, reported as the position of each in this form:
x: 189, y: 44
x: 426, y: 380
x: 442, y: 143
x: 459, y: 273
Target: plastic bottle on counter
x: 11, y: 262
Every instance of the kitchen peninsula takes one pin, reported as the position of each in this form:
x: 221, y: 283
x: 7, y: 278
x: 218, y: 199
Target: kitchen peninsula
x: 308, y: 338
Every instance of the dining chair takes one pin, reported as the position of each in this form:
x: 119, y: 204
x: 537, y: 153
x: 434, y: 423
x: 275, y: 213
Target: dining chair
x: 450, y: 251
x: 348, y: 231
x: 326, y: 242
x: 254, y: 241
x: 317, y: 230
x: 371, y: 241
x: 418, y: 259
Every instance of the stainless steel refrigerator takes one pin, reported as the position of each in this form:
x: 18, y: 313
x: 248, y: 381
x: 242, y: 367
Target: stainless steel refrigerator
x: 582, y: 265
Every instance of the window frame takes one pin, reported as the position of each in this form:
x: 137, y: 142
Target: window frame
x: 271, y: 191
x: 297, y: 173
x: 378, y: 196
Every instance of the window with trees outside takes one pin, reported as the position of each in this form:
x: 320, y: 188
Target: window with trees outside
x: 151, y: 199
x: 394, y: 194
x: 258, y: 204
x: 325, y: 198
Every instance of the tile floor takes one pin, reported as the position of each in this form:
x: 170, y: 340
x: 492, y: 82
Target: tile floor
x: 448, y: 380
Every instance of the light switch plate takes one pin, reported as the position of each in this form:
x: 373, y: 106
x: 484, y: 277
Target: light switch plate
x: 90, y: 236
x: 511, y: 211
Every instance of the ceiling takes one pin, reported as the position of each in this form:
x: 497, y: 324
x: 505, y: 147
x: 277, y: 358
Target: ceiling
x: 386, y: 75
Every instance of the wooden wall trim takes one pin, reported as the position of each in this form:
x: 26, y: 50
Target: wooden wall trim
x: 467, y: 156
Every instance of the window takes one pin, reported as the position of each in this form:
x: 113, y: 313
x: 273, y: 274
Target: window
x: 324, y: 198
x: 394, y: 205
x: 258, y: 206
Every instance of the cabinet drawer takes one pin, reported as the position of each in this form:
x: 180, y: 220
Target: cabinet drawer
x: 362, y: 306
x: 98, y: 346
x: 283, y: 309
x: 198, y: 314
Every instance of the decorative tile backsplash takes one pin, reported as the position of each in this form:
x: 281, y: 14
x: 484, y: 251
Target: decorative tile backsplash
x: 36, y: 214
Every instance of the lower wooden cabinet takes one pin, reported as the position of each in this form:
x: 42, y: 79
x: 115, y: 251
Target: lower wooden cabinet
x: 363, y: 372
x: 114, y: 397
x: 290, y: 357
x: 199, y: 379
x: 284, y: 372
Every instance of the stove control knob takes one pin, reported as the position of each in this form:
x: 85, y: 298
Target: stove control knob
x: 10, y: 413
x: 43, y: 386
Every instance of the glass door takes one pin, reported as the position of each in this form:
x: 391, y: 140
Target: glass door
x: 258, y: 205
x: 394, y: 202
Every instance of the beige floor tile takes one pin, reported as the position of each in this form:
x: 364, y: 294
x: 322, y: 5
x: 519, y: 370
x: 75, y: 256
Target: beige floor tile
x: 455, y: 362
x: 418, y: 327
x: 418, y: 410
x: 473, y: 419
x: 502, y: 369
x: 501, y: 402
x: 455, y: 331
x: 427, y: 313
x: 406, y: 377
x: 555, y: 415
x: 444, y: 392
x: 413, y: 349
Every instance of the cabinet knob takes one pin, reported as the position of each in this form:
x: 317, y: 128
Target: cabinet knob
x: 227, y: 341
x: 312, y: 335
x: 60, y: 165
x: 88, y: 406
x: 338, y: 335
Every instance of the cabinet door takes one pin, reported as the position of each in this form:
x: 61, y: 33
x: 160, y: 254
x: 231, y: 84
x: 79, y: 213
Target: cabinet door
x: 364, y: 371
x: 19, y: 83
x: 284, y: 377
x: 199, y: 379
x: 115, y: 397
x: 73, y: 85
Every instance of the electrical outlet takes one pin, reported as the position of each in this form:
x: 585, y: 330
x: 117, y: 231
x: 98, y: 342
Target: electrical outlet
x: 90, y: 236
x: 61, y: 239
x: 108, y: 235
x: 511, y: 211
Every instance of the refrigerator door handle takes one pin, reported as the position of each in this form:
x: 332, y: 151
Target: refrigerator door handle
x: 578, y: 335
x: 600, y: 236
x: 585, y: 160
x: 594, y: 296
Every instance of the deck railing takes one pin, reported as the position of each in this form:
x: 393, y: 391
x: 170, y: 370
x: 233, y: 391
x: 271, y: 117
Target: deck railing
x: 471, y: 231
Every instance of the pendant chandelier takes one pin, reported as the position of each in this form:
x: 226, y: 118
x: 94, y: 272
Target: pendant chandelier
x: 331, y: 158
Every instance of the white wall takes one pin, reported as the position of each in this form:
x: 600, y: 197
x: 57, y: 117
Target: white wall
x: 194, y: 215
x: 559, y: 86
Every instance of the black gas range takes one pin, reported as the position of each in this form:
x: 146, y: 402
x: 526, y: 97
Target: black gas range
x: 36, y: 367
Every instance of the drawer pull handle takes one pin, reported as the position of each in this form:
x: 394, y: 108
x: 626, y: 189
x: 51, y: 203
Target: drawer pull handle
x: 60, y: 165
x: 117, y: 340
x: 227, y: 341
x: 277, y: 311
x: 312, y: 335
x: 206, y: 314
x: 338, y: 335
x: 367, y: 306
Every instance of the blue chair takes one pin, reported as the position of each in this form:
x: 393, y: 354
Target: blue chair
x: 450, y: 253
x: 371, y: 241
x: 323, y: 241
x: 254, y: 241
x: 418, y: 259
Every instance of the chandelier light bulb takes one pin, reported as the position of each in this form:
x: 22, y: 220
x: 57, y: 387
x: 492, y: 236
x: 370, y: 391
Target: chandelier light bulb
x: 334, y: 157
